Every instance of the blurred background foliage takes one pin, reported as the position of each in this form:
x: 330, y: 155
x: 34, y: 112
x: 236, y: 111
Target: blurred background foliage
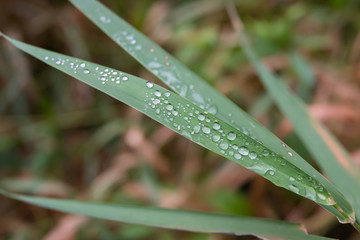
x: 60, y: 138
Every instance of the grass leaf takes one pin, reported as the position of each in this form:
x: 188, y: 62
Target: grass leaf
x: 174, y: 219
x: 326, y: 150
x: 189, y: 120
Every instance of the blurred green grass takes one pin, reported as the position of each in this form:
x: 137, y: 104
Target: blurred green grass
x: 60, y: 138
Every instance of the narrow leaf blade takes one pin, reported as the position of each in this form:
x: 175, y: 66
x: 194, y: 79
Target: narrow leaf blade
x: 174, y: 219
x: 188, y: 120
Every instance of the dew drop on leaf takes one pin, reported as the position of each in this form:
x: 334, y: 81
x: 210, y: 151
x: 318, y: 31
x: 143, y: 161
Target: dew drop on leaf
x: 216, y: 126
x: 243, y: 151
x: 231, y: 136
x: 252, y: 155
x: 149, y: 84
x: 216, y: 138
x: 206, y: 130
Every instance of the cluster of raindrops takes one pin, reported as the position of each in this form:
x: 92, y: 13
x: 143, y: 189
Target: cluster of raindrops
x: 159, y: 63
x: 200, y: 126
x: 102, y: 74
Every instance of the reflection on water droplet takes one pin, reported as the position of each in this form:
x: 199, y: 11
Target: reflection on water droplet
x: 310, y: 193
x: 243, y: 151
x: 237, y: 156
x: 266, y: 153
x: 216, y: 138
x: 212, y: 110
x: 82, y: 65
x: 216, y: 126
x: 125, y: 78
x: 196, y: 128
x: 149, y: 84
x: 169, y: 107
x: 86, y: 71
x: 321, y: 196
x: 224, y: 145
x: 201, y: 117
x: 206, y: 130
x: 252, y: 155
x: 157, y: 93
x: 283, y: 144
x: 290, y: 154
x: 156, y: 101
x: 294, y: 188
x: 231, y: 136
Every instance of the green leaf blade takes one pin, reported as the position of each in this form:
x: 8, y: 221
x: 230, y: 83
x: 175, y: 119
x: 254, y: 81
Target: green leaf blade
x: 174, y: 219
x: 189, y: 120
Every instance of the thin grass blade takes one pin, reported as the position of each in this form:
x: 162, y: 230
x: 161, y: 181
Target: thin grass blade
x: 174, y: 219
x: 328, y: 153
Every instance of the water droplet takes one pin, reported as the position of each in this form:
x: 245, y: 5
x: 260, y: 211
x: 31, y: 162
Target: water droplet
x: 149, y: 84
x: 157, y: 111
x: 46, y: 58
x: 283, y: 144
x: 125, y: 78
x: 216, y: 138
x: 321, y: 196
x: 252, y: 155
x: 201, y: 117
x: 290, y: 154
x: 216, y: 126
x: 294, y: 188
x: 243, y: 151
x: 237, y: 156
x: 224, y: 145
x: 167, y: 63
x: 167, y: 94
x: 104, y: 19
x: 212, y: 110
x: 231, y: 136
x: 292, y: 179
x: 196, y: 128
x: 82, y: 65
x: 206, y: 130
x: 157, y: 93
x: 156, y: 101
x: 169, y: 107
x: 310, y: 193
x: 152, y: 50
x: 266, y: 153
x: 86, y: 71
x: 175, y: 113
